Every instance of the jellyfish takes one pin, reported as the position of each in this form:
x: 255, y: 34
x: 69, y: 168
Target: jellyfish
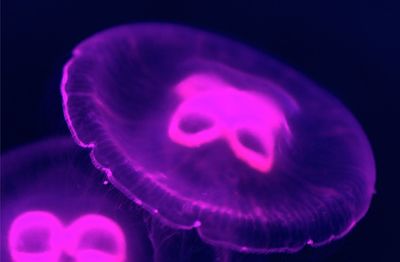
x: 56, y: 207
x: 208, y: 134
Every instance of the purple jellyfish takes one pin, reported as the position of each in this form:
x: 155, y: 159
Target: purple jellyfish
x: 57, y: 208
x: 209, y: 134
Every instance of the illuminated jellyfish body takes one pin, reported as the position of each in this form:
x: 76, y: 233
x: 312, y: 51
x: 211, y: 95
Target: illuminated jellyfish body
x: 56, y: 207
x: 206, y: 133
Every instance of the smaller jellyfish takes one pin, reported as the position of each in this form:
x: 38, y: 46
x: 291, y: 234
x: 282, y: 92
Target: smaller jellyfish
x: 57, y: 207
x: 207, y: 134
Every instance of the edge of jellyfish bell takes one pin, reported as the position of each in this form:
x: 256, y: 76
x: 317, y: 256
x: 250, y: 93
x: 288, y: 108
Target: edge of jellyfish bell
x: 92, y: 146
x: 250, y: 250
x: 196, y: 224
x: 64, y: 98
x: 59, y: 143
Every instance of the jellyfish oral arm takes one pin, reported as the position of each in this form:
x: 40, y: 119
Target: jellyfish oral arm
x: 227, y: 111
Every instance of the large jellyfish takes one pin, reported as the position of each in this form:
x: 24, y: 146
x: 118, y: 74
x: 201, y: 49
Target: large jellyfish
x: 207, y: 133
x: 56, y: 207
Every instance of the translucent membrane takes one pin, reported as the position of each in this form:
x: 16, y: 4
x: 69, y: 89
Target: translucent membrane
x: 56, y: 207
x: 206, y: 133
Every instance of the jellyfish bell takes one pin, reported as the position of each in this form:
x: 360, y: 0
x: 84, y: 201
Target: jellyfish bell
x: 207, y: 133
x: 57, y: 208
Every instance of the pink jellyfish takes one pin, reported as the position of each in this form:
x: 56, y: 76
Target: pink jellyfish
x: 56, y: 207
x: 207, y: 133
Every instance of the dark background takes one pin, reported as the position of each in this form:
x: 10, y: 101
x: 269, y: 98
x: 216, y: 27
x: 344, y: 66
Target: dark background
x: 351, y: 49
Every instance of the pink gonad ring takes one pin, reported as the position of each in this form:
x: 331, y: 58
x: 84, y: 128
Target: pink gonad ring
x: 40, y: 236
x: 210, y: 111
x: 36, y: 236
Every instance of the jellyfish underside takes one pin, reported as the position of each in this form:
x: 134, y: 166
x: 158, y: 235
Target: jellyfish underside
x: 206, y: 133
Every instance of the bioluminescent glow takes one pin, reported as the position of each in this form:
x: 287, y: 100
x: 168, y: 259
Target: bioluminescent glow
x: 41, y: 236
x: 36, y: 236
x: 95, y: 238
x: 247, y: 121
x: 56, y: 207
x: 209, y: 134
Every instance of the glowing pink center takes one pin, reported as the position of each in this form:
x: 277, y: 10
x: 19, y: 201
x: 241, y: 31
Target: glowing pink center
x: 40, y: 236
x: 212, y: 109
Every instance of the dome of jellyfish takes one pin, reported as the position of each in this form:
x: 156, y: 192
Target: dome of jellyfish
x: 56, y: 207
x: 207, y: 133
